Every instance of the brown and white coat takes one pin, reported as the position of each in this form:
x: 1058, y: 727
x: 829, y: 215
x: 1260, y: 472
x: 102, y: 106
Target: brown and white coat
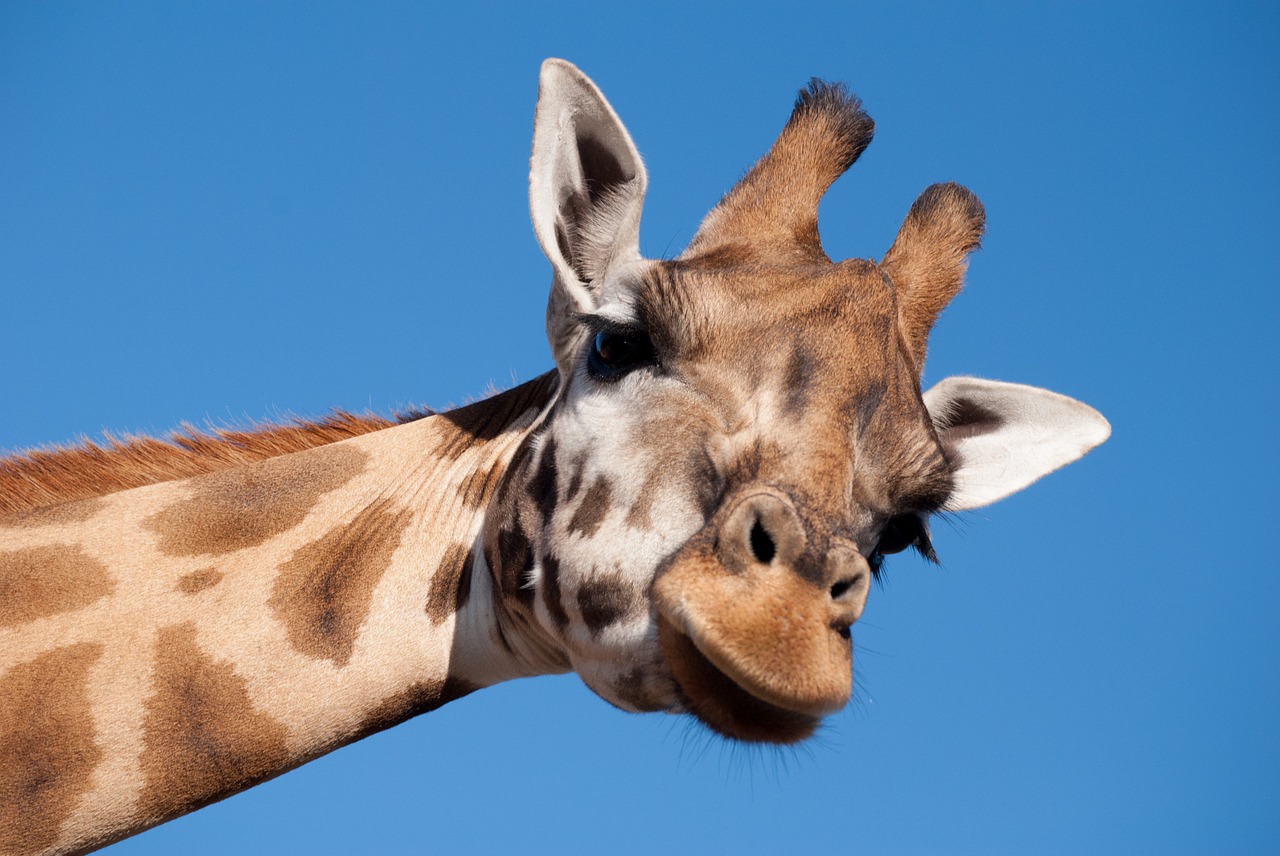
x: 687, y: 512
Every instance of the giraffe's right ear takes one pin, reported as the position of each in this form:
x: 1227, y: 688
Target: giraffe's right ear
x: 586, y: 188
x: 1001, y: 437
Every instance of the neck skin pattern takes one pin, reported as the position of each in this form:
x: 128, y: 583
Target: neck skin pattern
x: 165, y: 647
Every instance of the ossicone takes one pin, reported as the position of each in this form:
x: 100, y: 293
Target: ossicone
x: 772, y: 213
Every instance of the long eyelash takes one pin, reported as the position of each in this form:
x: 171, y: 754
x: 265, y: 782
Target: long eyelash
x: 923, y: 546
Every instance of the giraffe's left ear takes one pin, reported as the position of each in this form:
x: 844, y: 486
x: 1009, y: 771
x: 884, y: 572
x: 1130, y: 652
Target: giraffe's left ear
x: 586, y: 188
x: 1004, y: 436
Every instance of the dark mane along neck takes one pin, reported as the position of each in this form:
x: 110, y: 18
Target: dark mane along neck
x: 43, y: 477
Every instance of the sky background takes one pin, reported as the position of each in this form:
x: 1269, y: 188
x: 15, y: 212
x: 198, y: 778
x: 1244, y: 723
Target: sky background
x: 227, y: 211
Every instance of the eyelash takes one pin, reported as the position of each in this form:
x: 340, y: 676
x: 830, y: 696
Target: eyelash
x: 901, y: 532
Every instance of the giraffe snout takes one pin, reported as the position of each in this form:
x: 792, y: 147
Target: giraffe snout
x: 763, y: 602
x: 765, y: 530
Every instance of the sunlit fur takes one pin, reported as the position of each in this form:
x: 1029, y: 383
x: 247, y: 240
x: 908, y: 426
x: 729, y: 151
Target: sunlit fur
x: 694, y: 531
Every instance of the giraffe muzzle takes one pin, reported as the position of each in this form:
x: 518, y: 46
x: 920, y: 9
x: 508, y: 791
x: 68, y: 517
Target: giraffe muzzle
x: 758, y: 599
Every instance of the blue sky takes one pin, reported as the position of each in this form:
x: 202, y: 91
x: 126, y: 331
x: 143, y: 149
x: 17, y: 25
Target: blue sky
x: 228, y: 211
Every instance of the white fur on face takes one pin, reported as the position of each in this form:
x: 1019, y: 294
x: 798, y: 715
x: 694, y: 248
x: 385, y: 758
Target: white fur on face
x: 622, y: 513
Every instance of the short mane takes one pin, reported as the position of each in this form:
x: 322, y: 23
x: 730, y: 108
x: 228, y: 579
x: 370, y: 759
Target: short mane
x: 48, y: 476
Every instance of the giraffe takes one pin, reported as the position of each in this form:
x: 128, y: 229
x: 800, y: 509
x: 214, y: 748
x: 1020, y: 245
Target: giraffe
x: 688, y: 510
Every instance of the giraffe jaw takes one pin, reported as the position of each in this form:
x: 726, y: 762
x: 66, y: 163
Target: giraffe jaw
x: 722, y: 704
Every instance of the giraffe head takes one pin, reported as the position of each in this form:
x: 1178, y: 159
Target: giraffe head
x: 739, y: 436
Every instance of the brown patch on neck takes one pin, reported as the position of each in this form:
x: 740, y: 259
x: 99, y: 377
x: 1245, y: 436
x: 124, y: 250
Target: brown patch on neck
x: 244, y: 507
x: 197, y: 581
x: 484, y: 420
x: 47, y: 745
x: 638, y: 516
x: 417, y: 699
x: 323, y: 593
x: 451, y: 584
x: 204, y: 740
x: 42, y: 581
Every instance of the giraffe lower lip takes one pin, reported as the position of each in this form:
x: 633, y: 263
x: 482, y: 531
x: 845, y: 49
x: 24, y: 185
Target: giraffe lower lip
x: 722, y: 704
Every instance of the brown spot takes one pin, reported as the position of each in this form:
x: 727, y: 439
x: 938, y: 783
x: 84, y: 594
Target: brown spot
x: 542, y: 487
x: 451, y: 585
x: 868, y: 404
x: 638, y: 516
x: 479, y: 486
x: 801, y: 372
x: 632, y: 689
x: 203, y: 738
x: 592, y: 510
x: 244, y: 507
x: 969, y: 416
x: 551, y: 591
x: 198, y: 581
x: 603, y: 599
x: 417, y: 699
x: 47, y: 746
x: 515, y: 557
x: 323, y: 593
x: 53, y: 515
x: 40, y: 581
x: 484, y: 420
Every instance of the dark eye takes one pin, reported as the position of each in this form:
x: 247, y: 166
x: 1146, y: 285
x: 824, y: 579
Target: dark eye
x: 901, y: 532
x: 613, y: 354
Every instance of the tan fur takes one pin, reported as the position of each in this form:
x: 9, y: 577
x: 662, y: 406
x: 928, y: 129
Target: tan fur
x: 772, y: 213
x: 234, y: 625
x: 928, y: 258
x: 687, y: 512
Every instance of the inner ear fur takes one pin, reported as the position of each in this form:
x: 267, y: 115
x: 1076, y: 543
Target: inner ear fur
x: 586, y: 182
x: 1001, y: 437
x: 929, y: 256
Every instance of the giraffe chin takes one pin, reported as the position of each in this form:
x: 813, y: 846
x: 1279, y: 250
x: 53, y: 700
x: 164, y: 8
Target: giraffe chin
x: 723, y: 705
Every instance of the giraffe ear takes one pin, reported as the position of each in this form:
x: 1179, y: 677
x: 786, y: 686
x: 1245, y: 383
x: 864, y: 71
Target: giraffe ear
x: 1004, y: 436
x: 586, y: 184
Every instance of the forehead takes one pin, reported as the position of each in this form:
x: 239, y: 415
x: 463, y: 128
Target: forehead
x: 709, y: 310
x: 812, y: 355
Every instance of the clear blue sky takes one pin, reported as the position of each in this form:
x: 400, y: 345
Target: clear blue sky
x: 221, y: 210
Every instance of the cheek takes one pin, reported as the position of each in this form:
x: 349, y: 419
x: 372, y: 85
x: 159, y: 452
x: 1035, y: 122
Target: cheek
x: 629, y: 496
x: 639, y: 682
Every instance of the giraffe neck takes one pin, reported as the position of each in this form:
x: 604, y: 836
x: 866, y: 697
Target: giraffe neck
x: 164, y: 647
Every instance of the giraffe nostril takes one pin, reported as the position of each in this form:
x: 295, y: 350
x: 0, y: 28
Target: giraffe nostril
x: 844, y: 586
x: 762, y: 546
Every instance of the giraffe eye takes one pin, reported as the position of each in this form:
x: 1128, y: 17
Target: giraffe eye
x: 901, y: 532
x: 615, y: 353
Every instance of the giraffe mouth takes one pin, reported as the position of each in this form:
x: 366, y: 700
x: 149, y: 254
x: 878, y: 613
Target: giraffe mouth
x: 721, y: 703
